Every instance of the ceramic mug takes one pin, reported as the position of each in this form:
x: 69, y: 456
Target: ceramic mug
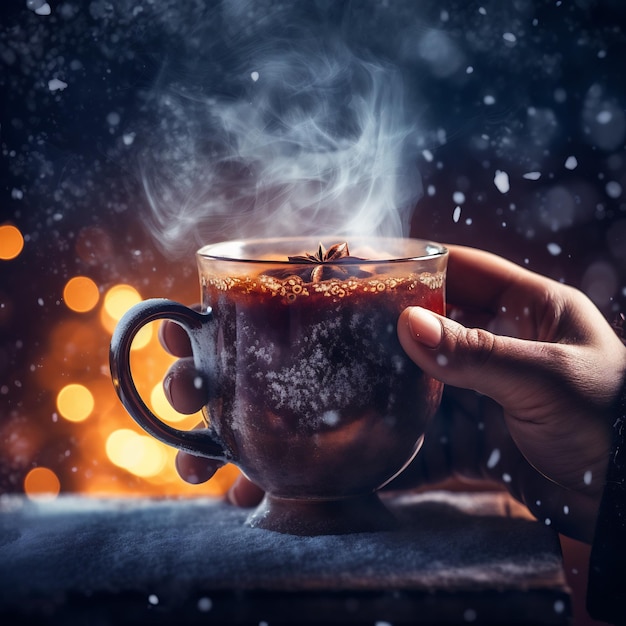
x: 310, y: 392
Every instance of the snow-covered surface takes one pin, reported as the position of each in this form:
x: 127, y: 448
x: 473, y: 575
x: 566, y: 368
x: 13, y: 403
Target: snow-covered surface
x: 453, y: 542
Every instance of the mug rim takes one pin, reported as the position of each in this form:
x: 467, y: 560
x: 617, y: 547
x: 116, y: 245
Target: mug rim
x: 433, y: 250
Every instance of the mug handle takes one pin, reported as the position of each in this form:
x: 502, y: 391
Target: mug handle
x: 199, y: 443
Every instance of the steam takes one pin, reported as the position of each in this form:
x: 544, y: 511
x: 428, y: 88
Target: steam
x: 317, y: 141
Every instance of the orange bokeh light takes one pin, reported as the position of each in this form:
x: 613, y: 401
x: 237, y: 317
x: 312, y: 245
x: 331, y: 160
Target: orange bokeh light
x: 113, y: 457
x: 139, y: 454
x: 75, y: 402
x: 11, y: 242
x: 117, y: 300
x: 81, y: 294
x: 42, y: 483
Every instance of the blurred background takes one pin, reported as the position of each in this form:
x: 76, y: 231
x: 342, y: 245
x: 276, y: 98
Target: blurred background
x: 132, y: 132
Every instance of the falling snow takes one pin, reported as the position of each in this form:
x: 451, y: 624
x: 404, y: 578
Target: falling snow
x: 501, y: 181
x: 456, y: 214
x: 56, y: 84
x: 442, y: 360
x: 494, y: 458
x: 571, y: 163
x: 554, y: 249
x: 205, y: 604
x: 39, y: 7
x: 613, y: 189
x: 113, y: 118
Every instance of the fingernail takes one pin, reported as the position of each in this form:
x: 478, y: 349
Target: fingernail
x: 425, y: 326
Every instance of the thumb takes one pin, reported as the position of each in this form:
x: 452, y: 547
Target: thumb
x: 503, y: 368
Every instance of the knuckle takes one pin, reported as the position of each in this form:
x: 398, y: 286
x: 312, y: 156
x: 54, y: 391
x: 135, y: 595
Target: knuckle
x: 477, y: 345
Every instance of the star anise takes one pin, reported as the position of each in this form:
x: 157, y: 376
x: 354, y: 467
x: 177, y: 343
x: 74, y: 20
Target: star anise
x: 337, y: 251
x: 327, y: 264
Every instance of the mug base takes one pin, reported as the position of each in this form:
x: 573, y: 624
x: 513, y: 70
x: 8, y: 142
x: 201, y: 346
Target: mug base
x: 356, y: 514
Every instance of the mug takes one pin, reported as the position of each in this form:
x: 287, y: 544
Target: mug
x: 310, y: 392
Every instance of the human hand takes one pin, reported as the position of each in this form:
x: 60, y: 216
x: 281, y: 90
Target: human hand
x: 553, y: 369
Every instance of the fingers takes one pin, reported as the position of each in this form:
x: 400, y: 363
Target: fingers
x: 244, y: 493
x: 187, y: 392
x: 184, y: 387
x: 195, y: 469
x: 174, y: 339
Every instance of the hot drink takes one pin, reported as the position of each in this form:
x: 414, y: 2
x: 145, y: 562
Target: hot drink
x: 311, y: 394
x: 309, y: 371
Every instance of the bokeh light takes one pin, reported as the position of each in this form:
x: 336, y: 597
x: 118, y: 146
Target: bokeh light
x: 81, y: 294
x: 11, y: 242
x: 117, y: 301
x: 42, y: 483
x: 75, y: 402
x: 139, y: 454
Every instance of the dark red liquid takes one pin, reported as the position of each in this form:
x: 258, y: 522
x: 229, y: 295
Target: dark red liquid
x: 310, y: 384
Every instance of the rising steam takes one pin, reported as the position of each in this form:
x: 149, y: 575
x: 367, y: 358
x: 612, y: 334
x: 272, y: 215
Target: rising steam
x: 318, y: 141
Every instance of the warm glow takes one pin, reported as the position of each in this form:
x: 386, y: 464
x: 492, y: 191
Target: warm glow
x: 117, y: 301
x: 42, y: 483
x: 139, y: 454
x: 75, y: 402
x: 81, y: 294
x: 11, y: 242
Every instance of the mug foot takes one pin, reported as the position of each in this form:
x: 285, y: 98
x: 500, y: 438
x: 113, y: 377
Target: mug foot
x: 357, y: 514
